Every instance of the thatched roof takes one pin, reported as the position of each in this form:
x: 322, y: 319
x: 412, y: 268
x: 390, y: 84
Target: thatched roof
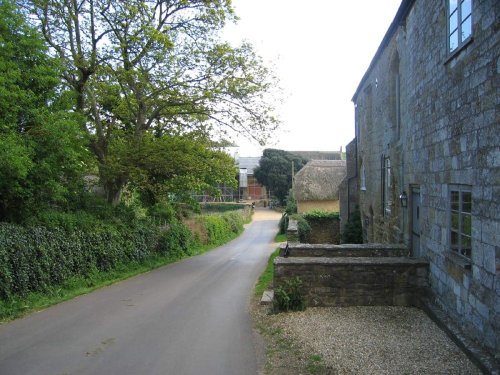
x: 319, y: 155
x: 319, y: 180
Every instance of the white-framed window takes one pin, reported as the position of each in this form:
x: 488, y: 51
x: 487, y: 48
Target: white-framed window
x: 459, y: 23
x: 460, y: 208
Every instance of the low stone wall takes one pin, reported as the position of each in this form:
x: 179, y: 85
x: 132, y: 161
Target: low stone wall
x: 292, y: 231
x: 354, y: 281
x: 322, y: 232
x: 345, y: 250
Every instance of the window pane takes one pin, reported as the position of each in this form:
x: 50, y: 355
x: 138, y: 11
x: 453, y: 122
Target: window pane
x: 466, y: 224
x: 453, y: 22
x: 466, y: 201
x: 454, y: 200
x: 466, y: 8
x: 454, y: 240
x: 453, y: 41
x: 466, y: 28
x: 455, y: 217
x: 453, y: 5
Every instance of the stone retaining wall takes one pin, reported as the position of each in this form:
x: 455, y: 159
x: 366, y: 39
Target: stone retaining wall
x: 352, y: 281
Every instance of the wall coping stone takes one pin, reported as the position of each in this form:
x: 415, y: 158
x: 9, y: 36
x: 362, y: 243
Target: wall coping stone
x: 365, y: 261
x: 345, y: 250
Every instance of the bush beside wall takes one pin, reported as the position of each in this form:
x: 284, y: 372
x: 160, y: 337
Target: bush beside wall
x: 325, y: 227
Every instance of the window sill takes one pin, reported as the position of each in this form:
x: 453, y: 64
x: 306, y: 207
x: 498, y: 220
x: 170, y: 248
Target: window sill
x: 363, y: 189
x: 458, y: 50
x: 459, y: 260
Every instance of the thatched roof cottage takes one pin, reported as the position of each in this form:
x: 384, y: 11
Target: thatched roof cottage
x: 316, y: 185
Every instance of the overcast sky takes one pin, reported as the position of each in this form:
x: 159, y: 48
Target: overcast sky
x: 320, y: 50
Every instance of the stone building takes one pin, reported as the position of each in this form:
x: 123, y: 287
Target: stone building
x: 349, y: 197
x: 316, y: 185
x: 428, y: 152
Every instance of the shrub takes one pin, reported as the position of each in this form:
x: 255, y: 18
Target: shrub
x: 36, y: 258
x: 163, y: 212
x: 283, y: 224
x: 289, y: 296
x: 217, y: 229
x: 234, y: 220
x: 353, y: 231
x: 318, y: 215
x: 291, y: 205
x: 304, y: 229
x: 175, y: 241
x: 222, y: 207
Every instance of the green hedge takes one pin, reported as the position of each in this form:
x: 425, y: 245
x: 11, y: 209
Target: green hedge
x: 222, y: 207
x: 317, y: 215
x: 32, y: 259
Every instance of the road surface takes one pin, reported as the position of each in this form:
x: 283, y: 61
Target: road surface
x: 188, y: 318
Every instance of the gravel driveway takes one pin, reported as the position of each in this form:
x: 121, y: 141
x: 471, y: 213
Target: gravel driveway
x: 358, y: 340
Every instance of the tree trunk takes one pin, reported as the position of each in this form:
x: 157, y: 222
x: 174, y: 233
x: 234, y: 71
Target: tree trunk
x: 114, y: 195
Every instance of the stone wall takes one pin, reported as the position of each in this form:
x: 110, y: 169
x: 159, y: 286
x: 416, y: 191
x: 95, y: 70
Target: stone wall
x: 353, y: 281
x: 292, y: 231
x: 435, y: 117
x: 324, y: 231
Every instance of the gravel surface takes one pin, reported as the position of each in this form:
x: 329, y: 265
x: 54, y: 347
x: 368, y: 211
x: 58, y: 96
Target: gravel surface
x: 358, y: 340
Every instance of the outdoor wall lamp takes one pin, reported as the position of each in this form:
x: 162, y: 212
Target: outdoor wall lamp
x: 404, y: 199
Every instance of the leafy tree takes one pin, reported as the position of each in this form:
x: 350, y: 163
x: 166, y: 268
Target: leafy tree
x: 28, y: 75
x: 42, y: 149
x: 172, y: 167
x: 154, y: 67
x: 275, y: 171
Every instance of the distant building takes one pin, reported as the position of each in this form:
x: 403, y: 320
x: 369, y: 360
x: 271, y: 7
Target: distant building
x: 428, y: 152
x: 249, y: 188
x: 316, y: 185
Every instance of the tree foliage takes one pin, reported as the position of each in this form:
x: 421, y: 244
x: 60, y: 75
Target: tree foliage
x: 42, y: 148
x: 153, y: 68
x: 275, y: 171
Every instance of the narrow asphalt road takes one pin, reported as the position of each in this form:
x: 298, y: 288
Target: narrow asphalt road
x: 188, y: 318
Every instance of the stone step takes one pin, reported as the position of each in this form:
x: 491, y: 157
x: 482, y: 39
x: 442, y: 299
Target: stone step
x: 267, y: 297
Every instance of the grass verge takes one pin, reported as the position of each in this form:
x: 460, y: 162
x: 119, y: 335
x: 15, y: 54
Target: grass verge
x: 280, y: 238
x: 266, y: 278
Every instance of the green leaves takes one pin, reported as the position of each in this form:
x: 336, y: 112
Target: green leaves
x: 289, y: 296
x: 156, y: 68
x: 39, y: 257
x: 275, y: 171
x: 43, y: 152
